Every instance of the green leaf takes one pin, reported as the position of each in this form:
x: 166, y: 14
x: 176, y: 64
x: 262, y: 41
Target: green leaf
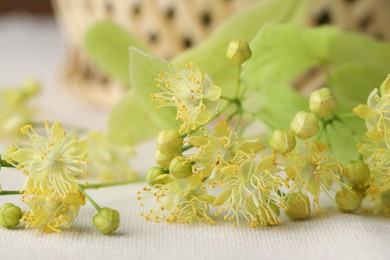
x: 211, y: 55
x: 353, y: 82
x: 282, y: 52
x: 107, y: 44
x: 144, y: 69
x: 129, y: 123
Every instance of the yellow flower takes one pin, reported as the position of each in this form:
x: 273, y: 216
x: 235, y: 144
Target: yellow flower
x: 52, y: 214
x: 15, y: 111
x: 52, y: 163
x: 108, y: 161
x: 251, y: 193
x: 192, y: 93
x: 311, y: 167
x: 377, y: 114
x: 376, y: 155
x: 219, y: 148
x: 180, y: 200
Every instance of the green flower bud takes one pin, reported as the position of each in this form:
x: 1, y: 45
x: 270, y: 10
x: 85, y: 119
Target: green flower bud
x: 163, y: 159
x: 152, y: 177
x: 322, y: 102
x: 298, y: 205
x: 305, y: 125
x: 356, y: 172
x: 238, y: 52
x: 282, y: 140
x: 106, y: 220
x: 169, y: 142
x: 349, y: 200
x: 10, y: 215
x: 180, y: 168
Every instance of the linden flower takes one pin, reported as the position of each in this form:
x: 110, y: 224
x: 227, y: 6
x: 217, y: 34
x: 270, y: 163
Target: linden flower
x: 14, y: 109
x: 52, y: 214
x: 52, y: 162
x: 377, y: 114
x: 219, y: 148
x: 108, y: 161
x: 252, y: 192
x: 192, y: 93
x: 180, y: 200
x: 311, y: 167
x: 376, y: 155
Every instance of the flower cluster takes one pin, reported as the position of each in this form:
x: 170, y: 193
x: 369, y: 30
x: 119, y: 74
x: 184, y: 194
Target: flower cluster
x: 375, y: 145
x: 192, y: 93
x: 52, y: 164
x: 246, y: 180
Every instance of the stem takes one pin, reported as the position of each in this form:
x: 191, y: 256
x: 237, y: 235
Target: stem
x: 327, y: 135
x: 110, y: 184
x: 238, y: 122
x: 353, y: 132
x: 231, y: 100
x: 346, y: 115
x: 96, y: 206
x: 11, y: 192
x: 4, y: 163
x: 187, y: 147
x: 238, y: 82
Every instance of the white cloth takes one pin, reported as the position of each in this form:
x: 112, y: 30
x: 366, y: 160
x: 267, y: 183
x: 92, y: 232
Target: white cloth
x: 34, y: 47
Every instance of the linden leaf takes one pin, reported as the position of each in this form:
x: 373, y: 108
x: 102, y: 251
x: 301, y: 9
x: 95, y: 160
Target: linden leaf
x: 107, y: 44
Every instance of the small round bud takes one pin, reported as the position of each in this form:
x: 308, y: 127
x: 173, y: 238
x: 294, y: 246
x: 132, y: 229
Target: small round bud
x: 10, y: 215
x: 282, y: 140
x: 322, y: 102
x: 298, y: 206
x: 163, y: 159
x: 304, y: 125
x: 238, y: 52
x: 153, y: 174
x: 349, y: 200
x: 385, y: 198
x: 169, y: 142
x: 106, y: 220
x: 180, y: 168
x: 357, y: 172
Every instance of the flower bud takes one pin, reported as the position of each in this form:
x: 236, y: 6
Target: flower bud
x: 356, y: 172
x: 385, y: 198
x: 106, y: 220
x: 238, y: 52
x: 298, y: 206
x: 152, y: 177
x: 163, y: 159
x: 10, y: 215
x: 180, y: 168
x: 169, y: 142
x: 304, y: 125
x: 322, y: 102
x: 282, y: 140
x: 349, y: 200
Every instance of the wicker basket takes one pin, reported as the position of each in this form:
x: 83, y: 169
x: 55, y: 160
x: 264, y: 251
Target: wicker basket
x: 167, y: 33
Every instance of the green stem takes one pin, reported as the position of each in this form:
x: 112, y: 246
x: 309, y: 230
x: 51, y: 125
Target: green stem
x: 238, y: 122
x: 11, y: 192
x: 351, y: 130
x: 111, y: 184
x: 346, y: 115
x: 96, y: 206
x: 231, y: 100
x: 187, y: 147
x: 238, y: 82
x: 4, y: 163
